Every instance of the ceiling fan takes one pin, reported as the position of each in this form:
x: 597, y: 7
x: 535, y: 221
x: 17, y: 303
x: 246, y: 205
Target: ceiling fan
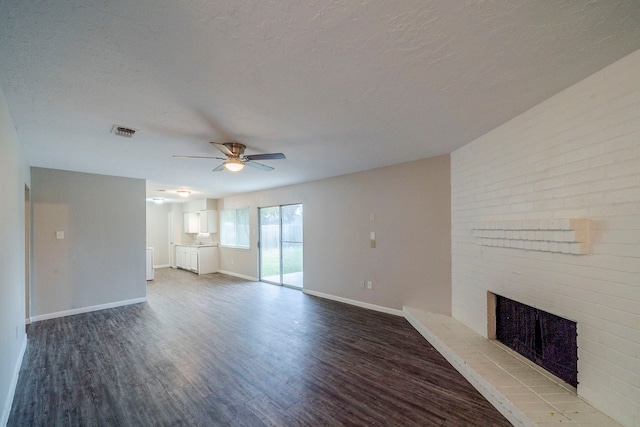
x: 236, y: 159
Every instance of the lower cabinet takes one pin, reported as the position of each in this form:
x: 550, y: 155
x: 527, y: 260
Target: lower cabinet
x: 192, y: 253
x: 180, y: 251
x: 199, y: 259
x: 208, y: 260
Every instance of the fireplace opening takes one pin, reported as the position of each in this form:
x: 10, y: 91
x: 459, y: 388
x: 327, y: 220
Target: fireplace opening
x: 548, y: 340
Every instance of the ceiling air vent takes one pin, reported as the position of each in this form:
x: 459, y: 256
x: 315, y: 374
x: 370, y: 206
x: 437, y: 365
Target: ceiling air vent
x: 123, y: 131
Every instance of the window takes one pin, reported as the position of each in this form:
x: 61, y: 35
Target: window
x: 234, y: 228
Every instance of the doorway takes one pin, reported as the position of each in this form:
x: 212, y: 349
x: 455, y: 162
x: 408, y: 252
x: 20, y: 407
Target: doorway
x: 281, y: 245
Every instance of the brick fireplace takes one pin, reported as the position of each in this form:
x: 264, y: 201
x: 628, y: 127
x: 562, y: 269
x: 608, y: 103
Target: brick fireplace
x: 514, y: 192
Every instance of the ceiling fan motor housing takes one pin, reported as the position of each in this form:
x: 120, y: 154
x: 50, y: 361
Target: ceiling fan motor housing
x: 235, y: 147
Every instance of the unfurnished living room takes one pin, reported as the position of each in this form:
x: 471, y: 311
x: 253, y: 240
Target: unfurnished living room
x: 374, y: 213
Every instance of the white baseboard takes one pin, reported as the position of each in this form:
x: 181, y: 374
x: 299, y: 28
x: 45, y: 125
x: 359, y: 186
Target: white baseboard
x: 86, y: 309
x: 356, y: 303
x: 162, y: 266
x: 241, y: 276
x: 6, y: 408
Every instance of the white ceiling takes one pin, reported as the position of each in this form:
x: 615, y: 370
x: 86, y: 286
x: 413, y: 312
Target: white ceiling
x: 338, y: 86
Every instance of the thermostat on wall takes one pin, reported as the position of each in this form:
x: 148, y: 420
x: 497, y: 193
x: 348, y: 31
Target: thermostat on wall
x: 59, y: 235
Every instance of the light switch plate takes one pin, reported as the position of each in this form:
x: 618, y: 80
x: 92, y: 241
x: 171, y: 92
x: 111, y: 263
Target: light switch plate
x: 59, y: 235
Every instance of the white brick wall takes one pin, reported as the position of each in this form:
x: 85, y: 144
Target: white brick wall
x: 576, y: 155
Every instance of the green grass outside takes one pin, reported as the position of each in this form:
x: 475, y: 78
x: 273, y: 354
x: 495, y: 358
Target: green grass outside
x: 291, y: 259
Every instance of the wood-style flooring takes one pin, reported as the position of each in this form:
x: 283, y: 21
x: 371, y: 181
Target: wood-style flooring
x: 214, y: 350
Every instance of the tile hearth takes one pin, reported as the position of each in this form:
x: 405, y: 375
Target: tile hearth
x: 524, y: 393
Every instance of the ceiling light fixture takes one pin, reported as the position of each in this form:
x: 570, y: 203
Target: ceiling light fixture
x: 183, y: 193
x: 158, y: 200
x: 234, y: 165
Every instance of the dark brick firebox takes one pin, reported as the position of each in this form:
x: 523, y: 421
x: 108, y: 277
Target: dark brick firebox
x: 548, y: 340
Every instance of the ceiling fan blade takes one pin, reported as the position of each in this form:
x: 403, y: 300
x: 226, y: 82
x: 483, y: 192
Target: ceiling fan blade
x: 219, y: 168
x: 270, y: 156
x: 223, y: 148
x: 198, y: 157
x: 258, y: 165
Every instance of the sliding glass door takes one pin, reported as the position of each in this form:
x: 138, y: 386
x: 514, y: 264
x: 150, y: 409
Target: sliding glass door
x: 281, y: 245
x: 270, y: 259
x: 291, y: 245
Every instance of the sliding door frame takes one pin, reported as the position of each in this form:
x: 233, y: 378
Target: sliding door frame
x: 279, y: 279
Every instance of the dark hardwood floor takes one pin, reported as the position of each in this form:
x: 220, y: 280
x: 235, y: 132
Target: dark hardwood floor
x: 214, y: 350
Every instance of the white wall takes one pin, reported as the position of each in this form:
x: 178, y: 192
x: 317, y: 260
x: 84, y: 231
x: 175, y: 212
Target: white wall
x: 411, y: 262
x: 101, y: 260
x: 158, y: 232
x: 14, y: 174
x: 576, y: 155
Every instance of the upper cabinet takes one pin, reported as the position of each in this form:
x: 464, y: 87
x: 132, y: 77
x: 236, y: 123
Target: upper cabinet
x: 191, y: 222
x: 201, y: 222
x: 200, y: 216
x: 208, y: 221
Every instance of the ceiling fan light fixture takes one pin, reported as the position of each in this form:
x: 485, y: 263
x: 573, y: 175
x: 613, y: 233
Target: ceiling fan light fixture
x: 183, y: 193
x: 234, y: 165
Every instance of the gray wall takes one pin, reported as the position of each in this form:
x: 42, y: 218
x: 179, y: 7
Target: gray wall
x: 411, y: 264
x: 14, y: 175
x: 101, y: 259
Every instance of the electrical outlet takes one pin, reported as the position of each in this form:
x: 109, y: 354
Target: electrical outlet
x: 362, y: 284
x: 369, y: 285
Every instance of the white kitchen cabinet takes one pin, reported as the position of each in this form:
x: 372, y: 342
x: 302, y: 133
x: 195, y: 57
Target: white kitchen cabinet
x: 191, y: 222
x: 199, y: 259
x: 192, y: 253
x: 186, y: 222
x: 208, y: 221
x: 208, y: 259
x: 180, y: 256
x: 186, y: 256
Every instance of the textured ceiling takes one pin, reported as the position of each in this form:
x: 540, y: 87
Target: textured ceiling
x: 338, y: 86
